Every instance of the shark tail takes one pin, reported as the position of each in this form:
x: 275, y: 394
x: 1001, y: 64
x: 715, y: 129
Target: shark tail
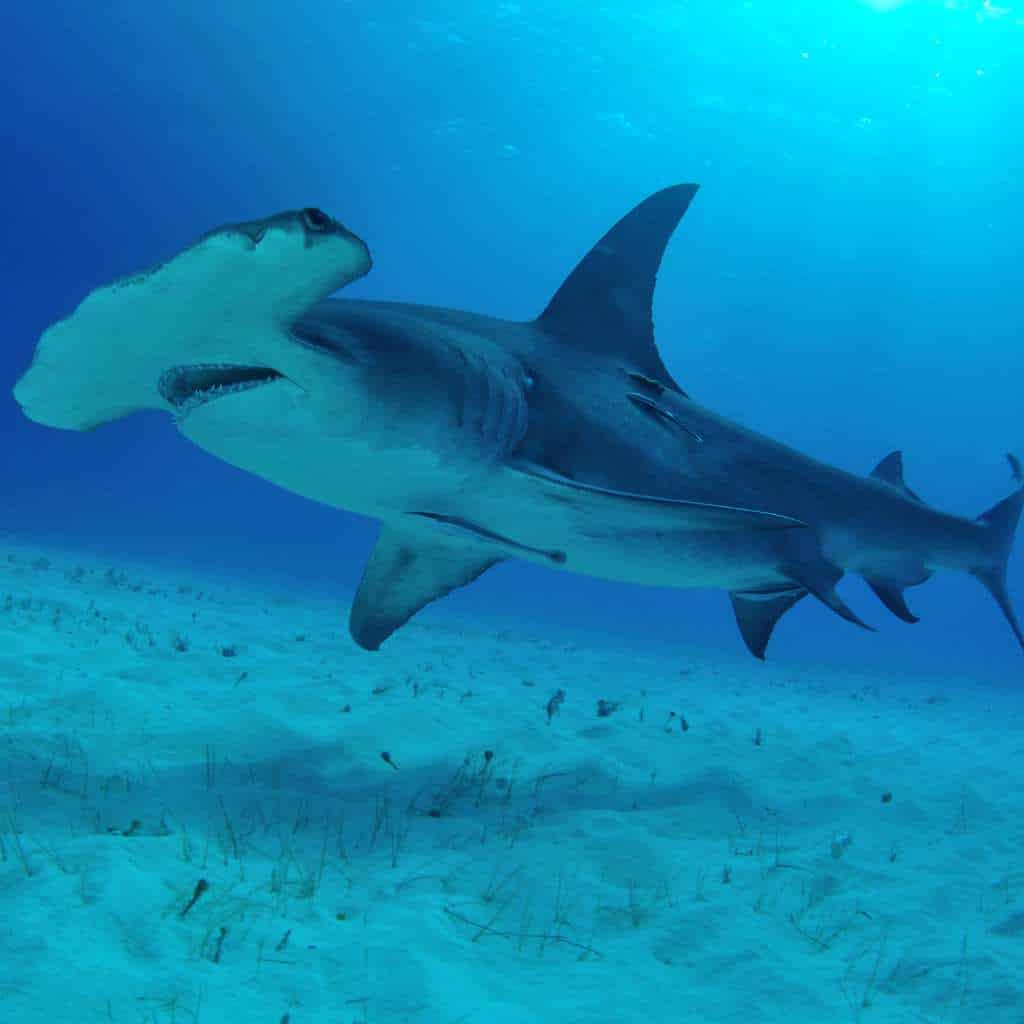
x: 1001, y: 520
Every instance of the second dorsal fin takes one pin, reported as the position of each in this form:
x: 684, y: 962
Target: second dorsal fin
x: 604, y: 305
x: 890, y: 470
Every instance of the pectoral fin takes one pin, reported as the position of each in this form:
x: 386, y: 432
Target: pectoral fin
x: 407, y: 570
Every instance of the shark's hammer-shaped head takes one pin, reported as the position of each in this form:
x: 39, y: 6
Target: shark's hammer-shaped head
x: 207, y: 326
x: 233, y: 339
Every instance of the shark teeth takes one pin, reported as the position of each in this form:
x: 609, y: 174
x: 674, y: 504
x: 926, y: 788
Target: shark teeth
x: 187, y: 387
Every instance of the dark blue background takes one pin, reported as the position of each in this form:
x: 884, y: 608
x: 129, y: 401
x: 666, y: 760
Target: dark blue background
x: 849, y: 279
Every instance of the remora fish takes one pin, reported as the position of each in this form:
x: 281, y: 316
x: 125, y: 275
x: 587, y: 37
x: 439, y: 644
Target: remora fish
x: 561, y: 440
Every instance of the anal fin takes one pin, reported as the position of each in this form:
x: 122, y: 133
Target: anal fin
x: 757, y: 612
x: 407, y: 570
x: 891, y: 595
x: 890, y: 581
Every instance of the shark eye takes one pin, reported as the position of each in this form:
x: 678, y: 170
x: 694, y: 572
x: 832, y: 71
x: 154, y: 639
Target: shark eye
x: 315, y: 220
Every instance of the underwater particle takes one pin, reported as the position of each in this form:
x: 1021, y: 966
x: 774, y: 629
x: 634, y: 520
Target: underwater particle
x: 684, y: 725
x: 229, y: 651
x: 887, y: 798
x: 221, y: 935
x: 840, y: 843
x: 1013, y: 925
x: 555, y: 704
x: 131, y: 830
x: 201, y: 886
x: 346, y: 709
x: 758, y: 737
x: 388, y: 759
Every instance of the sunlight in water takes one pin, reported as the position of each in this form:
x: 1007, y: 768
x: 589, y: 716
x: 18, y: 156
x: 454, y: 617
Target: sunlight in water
x: 982, y: 9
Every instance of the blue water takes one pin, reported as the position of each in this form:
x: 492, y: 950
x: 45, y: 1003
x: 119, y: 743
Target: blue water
x: 848, y: 279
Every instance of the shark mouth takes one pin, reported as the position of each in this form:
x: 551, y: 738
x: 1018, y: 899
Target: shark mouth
x: 187, y: 387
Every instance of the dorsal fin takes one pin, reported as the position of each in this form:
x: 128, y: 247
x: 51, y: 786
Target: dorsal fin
x: 890, y: 470
x: 604, y: 305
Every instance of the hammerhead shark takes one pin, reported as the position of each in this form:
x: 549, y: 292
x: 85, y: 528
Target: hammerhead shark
x: 561, y: 440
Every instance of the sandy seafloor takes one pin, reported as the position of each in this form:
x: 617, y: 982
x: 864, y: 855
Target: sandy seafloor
x: 157, y: 730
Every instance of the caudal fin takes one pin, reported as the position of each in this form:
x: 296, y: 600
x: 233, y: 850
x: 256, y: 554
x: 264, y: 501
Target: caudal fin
x: 1002, y: 520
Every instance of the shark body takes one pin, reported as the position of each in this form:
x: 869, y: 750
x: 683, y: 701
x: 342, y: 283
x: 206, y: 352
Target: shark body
x: 562, y: 440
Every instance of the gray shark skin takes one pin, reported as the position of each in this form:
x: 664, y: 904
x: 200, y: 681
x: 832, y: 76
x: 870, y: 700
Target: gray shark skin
x: 562, y: 440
